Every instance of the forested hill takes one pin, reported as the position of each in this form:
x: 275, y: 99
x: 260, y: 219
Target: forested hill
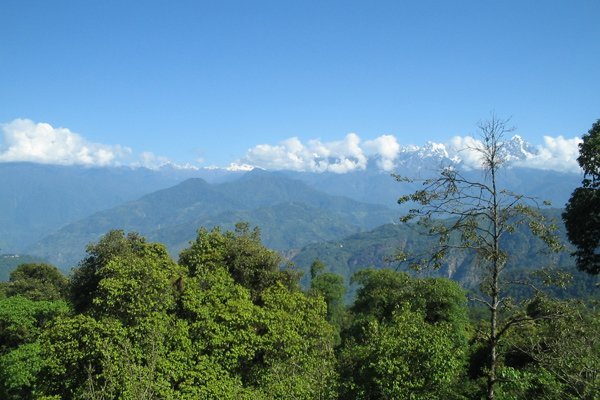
x: 37, y: 199
x: 40, y: 199
x: 376, y: 186
x: 289, y: 212
x: 376, y: 249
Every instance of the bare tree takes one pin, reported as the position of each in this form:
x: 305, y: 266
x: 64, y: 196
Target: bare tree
x: 473, y: 215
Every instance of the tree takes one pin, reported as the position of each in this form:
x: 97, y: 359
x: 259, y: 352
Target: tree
x: 407, y: 337
x: 331, y: 287
x: 150, y: 328
x: 297, y: 347
x: 582, y: 213
x: 473, y: 215
x: 242, y: 253
x: 125, y: 339
x: 22, y: 321
x: 133, y: 287
x: 562, y: 346
x: 37, y: 282
x: 85, y: 279
x: 250, y: 322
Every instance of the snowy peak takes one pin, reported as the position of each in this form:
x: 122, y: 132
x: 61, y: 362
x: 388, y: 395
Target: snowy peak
x: 386, y: 154
x: 461, y: 153
x: 433, y: 150
x: 517, y: 149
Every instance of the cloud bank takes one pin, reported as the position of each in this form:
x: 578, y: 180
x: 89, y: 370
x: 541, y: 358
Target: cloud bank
x: 557, y: 153
x: 386, y: 153
x: 291, y: 154
x: 25, y: 140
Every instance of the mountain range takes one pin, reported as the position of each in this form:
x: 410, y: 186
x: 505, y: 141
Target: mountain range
x: 289, y: 212
x: 53, y: 212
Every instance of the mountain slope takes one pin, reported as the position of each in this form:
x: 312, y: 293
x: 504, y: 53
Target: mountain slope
x: 37, y: 199
x: 375, y: 249
x: 290, y: 214
x: 259, y: 188
x: 378, y: 187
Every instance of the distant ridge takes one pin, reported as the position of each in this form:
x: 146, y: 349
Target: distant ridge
x: 289, y: 212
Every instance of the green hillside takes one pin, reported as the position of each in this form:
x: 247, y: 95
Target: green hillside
x: 37, y: 199
x: 289, y: 213
x: 376, y: 249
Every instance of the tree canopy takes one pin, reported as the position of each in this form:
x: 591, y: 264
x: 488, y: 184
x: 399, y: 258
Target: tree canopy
x: 582, y: 213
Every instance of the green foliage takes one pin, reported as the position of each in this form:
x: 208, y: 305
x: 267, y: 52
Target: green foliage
x: 563, y: 343
x: 403, y: 358
x: 85, y: 278
x: 332, y: 288
x: 589, y: 156
x: 22, y: 320
x: 37, y: 282
x: 316, y: 268
x: 250, y: 263
x: 19, y: 369
x: 154, y: 329
x: 222, y: 319
x: 206, y: 253
x: 383, y: 291
x: 76, y: 348
x: 582, y: 213
x: 134, y: 286
x: 227, y: 323
x: 242, y: 253
x: 297, y: 349
x: 407, y: 337
x: 253, y: 321
x: 582, y: 220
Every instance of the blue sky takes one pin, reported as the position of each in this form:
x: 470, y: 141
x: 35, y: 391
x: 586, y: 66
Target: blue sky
x: 192, y: 80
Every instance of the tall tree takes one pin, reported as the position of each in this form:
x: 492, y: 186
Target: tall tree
x: 473, y: 215
x: 406, y: 338
x: 85, y: 279
x: 242, y: 253
x: 37, y: 282
x: 582, y: 214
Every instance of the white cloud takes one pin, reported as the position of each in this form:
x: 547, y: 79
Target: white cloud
x: 236, y: 167
x: 464, y: 148
x: 385, y: 149
x: 149, y: 160
x: 316, y: 156
x: 25, y: 140
x: 557, y: 153
x: 349, y: 154
x: 152, y: 161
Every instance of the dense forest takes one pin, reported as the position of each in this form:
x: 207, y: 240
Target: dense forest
x: 226, y: 321
x: 231, y: 320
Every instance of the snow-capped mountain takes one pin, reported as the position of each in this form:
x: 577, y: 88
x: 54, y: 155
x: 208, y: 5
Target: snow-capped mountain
x: 517, y: 149
x: 463, y: 154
